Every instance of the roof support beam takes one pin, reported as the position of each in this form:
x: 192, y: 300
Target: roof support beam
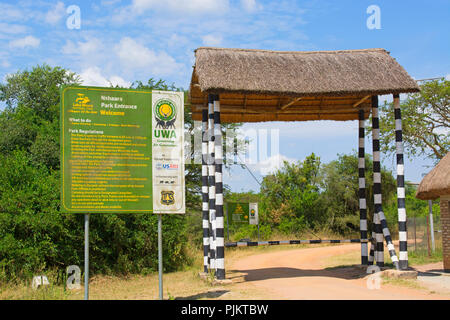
x: 361, y: 101
x: 290, y: 103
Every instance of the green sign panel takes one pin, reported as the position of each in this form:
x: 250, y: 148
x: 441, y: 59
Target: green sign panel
x: 238, y: 212
x: 109, y: 139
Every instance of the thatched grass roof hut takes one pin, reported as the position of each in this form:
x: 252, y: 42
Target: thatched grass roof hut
x: 437, y: 182
x: 264, y: 85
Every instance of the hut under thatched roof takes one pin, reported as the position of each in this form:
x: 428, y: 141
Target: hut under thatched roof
x: 437, y: 182
x: 263, y: 85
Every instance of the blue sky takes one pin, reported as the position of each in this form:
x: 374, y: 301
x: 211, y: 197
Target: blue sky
x: 124, y: 41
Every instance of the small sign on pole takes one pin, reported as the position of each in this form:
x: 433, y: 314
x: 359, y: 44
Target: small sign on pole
x: 238, y: 212
x: 253, y: 216
x: 243, y: 212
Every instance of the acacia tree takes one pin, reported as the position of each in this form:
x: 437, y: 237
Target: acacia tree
x: 425, y: 121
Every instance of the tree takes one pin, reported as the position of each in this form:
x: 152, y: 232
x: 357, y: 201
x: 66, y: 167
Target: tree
x: 425, y: 122
x: 340, y: 192
x: 290, y: 197
x: 30, y: 120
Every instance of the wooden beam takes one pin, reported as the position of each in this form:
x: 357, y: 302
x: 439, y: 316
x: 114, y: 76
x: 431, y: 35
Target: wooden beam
x: 361, y: 101
x: 290, y: 103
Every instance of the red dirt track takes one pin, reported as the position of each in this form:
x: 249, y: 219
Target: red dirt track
x: 300, y: 275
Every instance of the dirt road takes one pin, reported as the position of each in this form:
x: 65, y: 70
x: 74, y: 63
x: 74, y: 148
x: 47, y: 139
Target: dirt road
x: 300, y: 274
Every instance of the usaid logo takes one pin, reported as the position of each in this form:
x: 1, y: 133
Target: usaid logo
x: 166, y: 166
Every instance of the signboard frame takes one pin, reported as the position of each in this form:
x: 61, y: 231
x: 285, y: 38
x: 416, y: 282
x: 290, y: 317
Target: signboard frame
x: 147, y: 120
x: 161, y: 116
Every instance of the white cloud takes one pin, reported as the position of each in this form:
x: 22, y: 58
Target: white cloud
x: 84, y: 48
x: 182, y: 8
x: 212, y: 40
x: 250, y: 5
x: 447, y: 77
x: 109, y: 2
x: 28, y: 41
x: 134, y: 55
x: 272, y: 164
x: 92, y: 76
x: 12, y: 28
x: 55, y: 14
x: 191, y: 6
x: 4, y: 63
x: 11, y: 13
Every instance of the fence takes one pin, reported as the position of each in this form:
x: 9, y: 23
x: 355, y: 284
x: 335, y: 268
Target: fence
x: 419, y: 234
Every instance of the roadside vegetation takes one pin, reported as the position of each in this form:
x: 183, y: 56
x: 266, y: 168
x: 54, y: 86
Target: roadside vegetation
x: 307, y: 199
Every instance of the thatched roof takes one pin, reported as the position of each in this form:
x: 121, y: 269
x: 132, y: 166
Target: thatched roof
x: 263, y: 85
x: 437, y: 182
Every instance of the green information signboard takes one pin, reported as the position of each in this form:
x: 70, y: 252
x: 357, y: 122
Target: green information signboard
x: 238, y: 212
x: 110, y: 139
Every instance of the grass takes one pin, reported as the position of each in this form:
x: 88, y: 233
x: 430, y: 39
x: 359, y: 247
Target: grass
x: 186, y: 284
x: 420, y: 256
x: 415, y: 257
x: 408, y: 283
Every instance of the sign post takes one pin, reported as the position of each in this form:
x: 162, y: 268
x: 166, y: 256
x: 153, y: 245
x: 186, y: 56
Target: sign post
x: 86, y: 256
x: 121, y: 152
x: 253, y: 217
x: 160, y: 258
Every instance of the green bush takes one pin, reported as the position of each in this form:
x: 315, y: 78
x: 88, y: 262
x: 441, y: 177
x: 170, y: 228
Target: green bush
x: 35, y: 236
x: 293, y: 225
x: 250, y: 231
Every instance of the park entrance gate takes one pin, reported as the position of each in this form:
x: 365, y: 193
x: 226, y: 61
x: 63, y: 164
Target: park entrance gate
x: 243, y: 85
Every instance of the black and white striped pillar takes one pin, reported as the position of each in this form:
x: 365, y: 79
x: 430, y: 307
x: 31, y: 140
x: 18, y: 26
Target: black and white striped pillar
x: 388, y: 238
x: 402, y: 231
x: 218, y: 155
x: 205, y: 193
x: 379, y: 247
x: 362, y: 189
x: 211, y: 183
x: 380, y: 219
x: 372, y: 249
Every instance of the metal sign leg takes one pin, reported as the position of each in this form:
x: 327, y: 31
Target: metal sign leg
x: 160, y: 261
x: 86, y: 257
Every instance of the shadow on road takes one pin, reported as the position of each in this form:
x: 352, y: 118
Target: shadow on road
x: 204, y: 295
x: 348, y: 273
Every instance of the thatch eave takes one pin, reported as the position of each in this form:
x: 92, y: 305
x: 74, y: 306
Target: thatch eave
x: 437, y: 182
x: 324, y: 76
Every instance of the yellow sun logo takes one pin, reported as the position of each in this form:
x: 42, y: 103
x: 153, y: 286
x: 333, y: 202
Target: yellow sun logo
x: 166, y: 110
